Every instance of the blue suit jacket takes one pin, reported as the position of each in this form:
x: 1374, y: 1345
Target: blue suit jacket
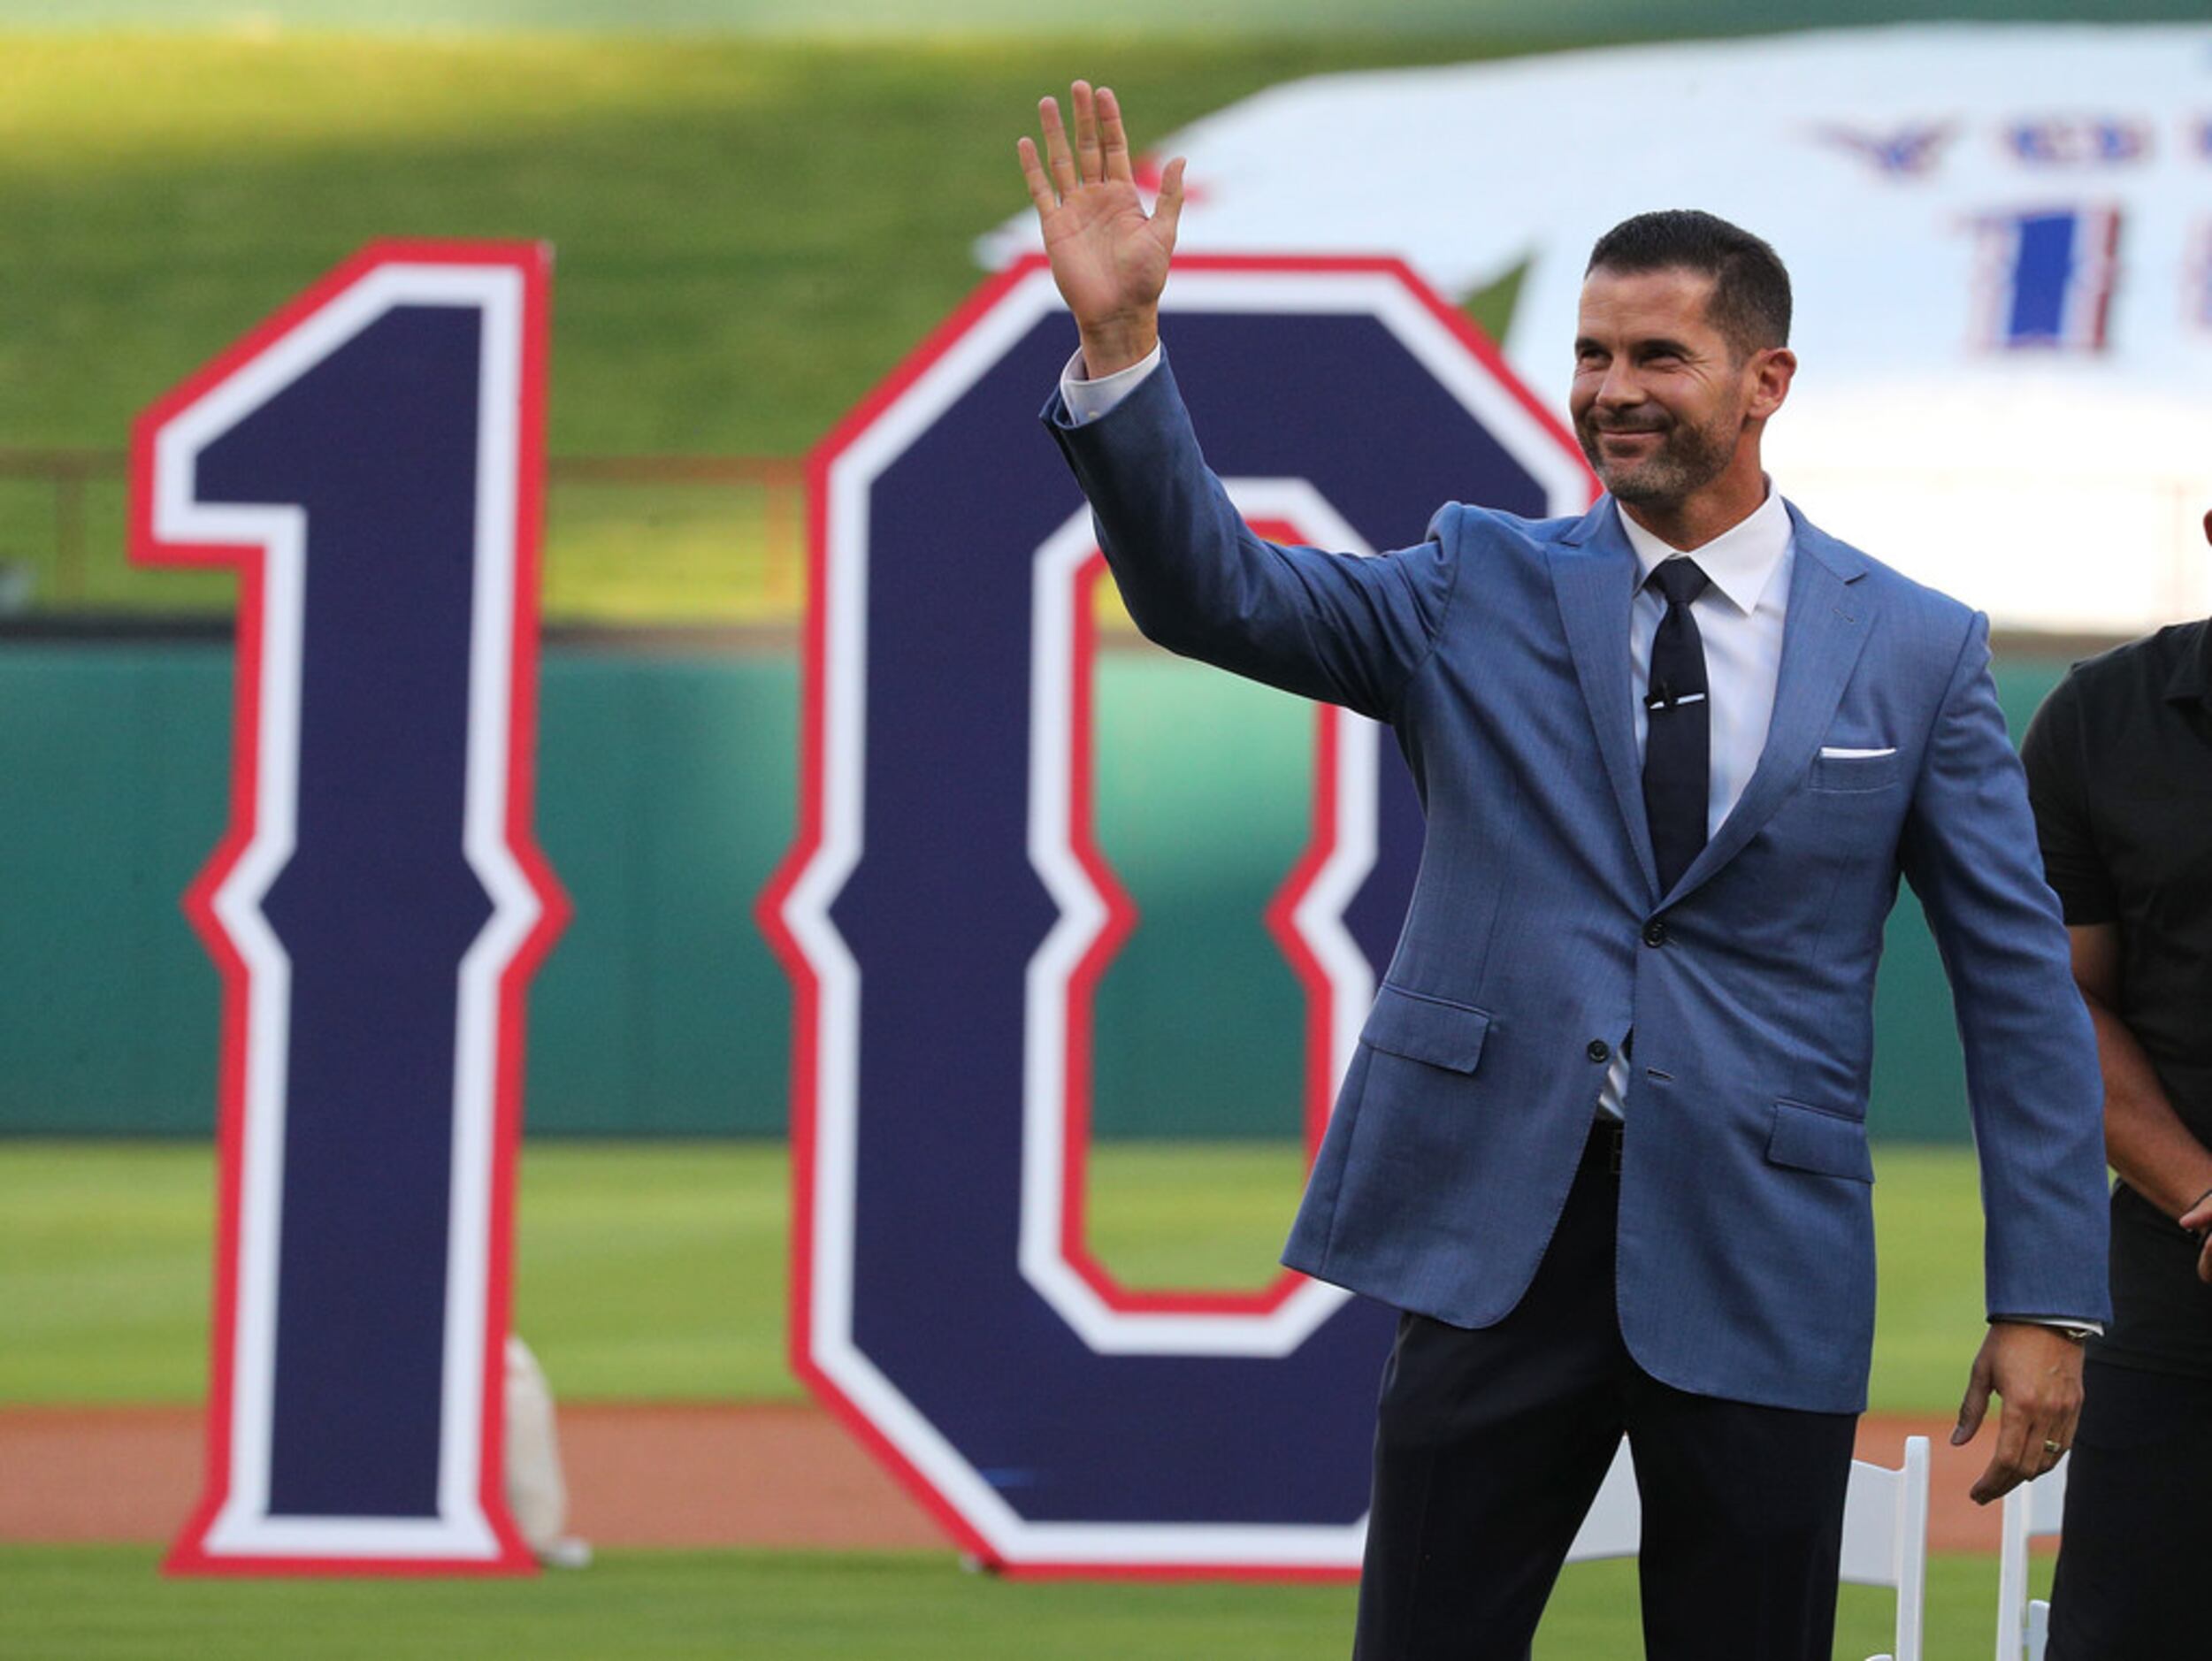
x: 1497, y: 650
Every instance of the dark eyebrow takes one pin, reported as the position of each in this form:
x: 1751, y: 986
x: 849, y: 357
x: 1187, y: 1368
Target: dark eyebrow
x: 1663, y: 347
x: 1585, y: 344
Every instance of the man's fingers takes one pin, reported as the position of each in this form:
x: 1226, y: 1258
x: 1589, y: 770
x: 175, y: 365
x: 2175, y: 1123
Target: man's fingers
x: 2043, y: 1401
x: 1086, y: 132
x: 2027, y: 1447
x: 2019, y: 1448
x: 2053, y: 1445
x: 2204, y: 1263
x: 1033, y: 176
x: 1168, y: 211
x: 2014, y: 1459
x: 1998, y: 1478
x: 2048, y: 1431
x: 2065, y: 1425
x: 1970, y: 1409
x: 1056, y: 153
x: 1114, y: 139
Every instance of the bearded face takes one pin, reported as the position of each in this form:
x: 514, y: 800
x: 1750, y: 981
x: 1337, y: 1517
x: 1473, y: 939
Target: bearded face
x: 1661, y: 397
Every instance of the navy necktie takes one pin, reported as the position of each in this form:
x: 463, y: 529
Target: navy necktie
x: 1678, y: 749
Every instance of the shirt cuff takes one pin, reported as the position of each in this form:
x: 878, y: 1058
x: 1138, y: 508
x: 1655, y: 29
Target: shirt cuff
x: 1088, y: 400
x: 2072, y: 1328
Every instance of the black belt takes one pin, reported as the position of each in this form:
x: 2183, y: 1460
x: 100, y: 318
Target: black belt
x: 1605, y: 1144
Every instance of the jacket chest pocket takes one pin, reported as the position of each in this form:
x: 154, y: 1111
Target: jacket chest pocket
x: 1849, y: 775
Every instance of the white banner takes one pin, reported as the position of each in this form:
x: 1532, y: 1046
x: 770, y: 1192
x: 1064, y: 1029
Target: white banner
x: 2001, y: 239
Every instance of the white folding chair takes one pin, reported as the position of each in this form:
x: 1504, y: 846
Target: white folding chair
x: 1886, y: 1537
x: 1884, y: 1531
x: 2032, y: 1508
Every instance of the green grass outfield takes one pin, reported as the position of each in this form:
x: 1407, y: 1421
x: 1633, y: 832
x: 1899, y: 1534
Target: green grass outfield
x: 104, y: 1603
x: 656, y: 1270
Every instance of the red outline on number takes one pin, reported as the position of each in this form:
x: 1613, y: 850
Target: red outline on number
x: 1081, y: 993
x: 533, y: 261
x: 806, y: 844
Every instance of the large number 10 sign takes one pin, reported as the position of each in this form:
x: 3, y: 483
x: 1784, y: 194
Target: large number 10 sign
x: 946, y: 915
x: 370, y: 461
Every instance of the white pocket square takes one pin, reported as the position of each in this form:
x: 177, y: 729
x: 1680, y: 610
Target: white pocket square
x: 1829, y: 752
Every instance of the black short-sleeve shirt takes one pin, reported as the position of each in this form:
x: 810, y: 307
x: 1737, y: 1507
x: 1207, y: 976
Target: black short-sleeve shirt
x: 2119, y: 765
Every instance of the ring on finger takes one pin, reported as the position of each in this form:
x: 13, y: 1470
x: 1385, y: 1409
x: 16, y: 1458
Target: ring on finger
x: 2052, y: 1447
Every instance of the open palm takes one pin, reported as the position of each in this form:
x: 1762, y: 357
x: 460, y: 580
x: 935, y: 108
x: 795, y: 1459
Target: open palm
x: 1108, y: 257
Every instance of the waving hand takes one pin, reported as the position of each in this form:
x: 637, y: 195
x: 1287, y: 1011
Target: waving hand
x: 1108, y: 257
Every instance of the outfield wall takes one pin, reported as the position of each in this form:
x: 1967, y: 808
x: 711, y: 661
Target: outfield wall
x: 667, y: 783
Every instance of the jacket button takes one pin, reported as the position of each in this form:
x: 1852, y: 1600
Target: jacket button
x: 1655, y: 932
x: 1600, y: 1051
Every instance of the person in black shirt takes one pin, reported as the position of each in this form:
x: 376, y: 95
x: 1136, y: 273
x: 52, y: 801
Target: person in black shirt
x: 2119, y: 763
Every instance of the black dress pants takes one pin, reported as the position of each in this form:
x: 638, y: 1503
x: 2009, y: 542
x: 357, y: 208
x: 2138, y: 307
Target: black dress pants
x: 1491, y: 1444
x: 2131, y: 1547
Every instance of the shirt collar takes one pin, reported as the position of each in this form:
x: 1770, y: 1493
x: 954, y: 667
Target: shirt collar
x: 1740, y: 562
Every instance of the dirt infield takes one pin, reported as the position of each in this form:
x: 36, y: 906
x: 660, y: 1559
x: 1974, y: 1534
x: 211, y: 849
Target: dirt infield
x: 655, y: 1475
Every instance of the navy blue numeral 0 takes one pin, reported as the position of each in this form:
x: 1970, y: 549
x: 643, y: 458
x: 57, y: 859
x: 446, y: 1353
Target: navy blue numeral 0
x: 370, y: 461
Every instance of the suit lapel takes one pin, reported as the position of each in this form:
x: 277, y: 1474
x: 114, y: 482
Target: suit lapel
x: 1593, y: 577
x: 1824, y: 632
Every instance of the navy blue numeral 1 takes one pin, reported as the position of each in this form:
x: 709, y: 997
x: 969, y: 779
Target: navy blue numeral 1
x: 369, y: 460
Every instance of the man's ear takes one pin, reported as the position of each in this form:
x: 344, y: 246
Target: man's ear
x: 1771, y: 370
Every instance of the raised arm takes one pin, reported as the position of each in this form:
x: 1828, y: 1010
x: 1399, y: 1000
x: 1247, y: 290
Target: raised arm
x: 1333, y: 627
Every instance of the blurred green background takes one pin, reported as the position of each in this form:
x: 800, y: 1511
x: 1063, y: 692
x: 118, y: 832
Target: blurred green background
x: 757, y: 209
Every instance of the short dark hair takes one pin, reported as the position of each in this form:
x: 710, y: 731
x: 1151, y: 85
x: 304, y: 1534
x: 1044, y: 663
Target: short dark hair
x: 1751, y: 300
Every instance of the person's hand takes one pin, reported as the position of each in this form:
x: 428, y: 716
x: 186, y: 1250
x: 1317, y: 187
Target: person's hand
x: 2197, y: 1219
x: 1109, y: 257
x: 2036, y: 1370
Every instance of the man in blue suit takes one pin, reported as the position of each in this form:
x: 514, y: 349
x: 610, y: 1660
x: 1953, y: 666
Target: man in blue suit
x: 1603, y: 1139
